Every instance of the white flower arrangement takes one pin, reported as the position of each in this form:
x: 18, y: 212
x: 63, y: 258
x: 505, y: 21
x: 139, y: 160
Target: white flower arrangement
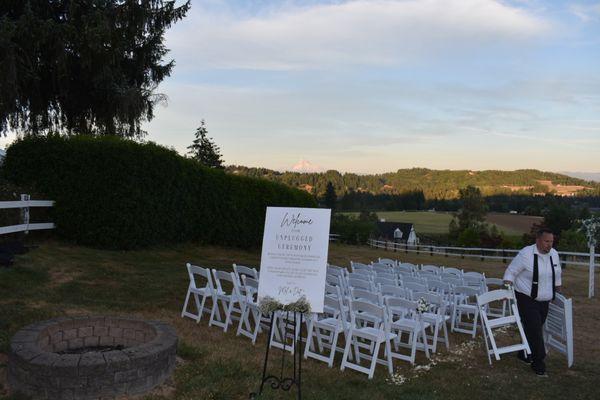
x: 422, y: 305
x: 591, y: 228
x: 268, y: 304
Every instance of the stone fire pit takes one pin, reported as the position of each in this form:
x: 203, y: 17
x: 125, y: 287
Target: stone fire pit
x: 91, y: 357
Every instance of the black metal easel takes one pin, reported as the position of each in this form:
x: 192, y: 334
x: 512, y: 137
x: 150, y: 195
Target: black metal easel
x: 281, y: 382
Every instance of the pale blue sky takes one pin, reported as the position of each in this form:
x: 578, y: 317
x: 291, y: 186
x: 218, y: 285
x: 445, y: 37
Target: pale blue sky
x: 373, y: 86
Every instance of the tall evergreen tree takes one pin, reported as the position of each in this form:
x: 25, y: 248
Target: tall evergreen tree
x: 83, y: 67
x: 330, y: 196
x: 204, y: 150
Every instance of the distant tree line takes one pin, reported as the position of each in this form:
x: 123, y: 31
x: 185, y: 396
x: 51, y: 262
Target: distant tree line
x: 433, y: 184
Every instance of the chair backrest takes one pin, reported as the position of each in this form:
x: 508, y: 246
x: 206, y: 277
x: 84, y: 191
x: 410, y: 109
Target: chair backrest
x: 356, y: 266
x: 222, y: 276
x: 366, y: 295
x: 431, y: 268
x: 382, y: 268
x: 439, y: 287
x: 388, y: 261
x: 365, y: 313
x: 401, y: 307
x: 437, y: 302
x: 453, y: 281
x: 336, y: 271
x: 453, y: 271
x: 473, y: 274
x: 196, y: 272
x: 466, y: 293
x: 475, y: 282
x: 395, y: 291
x: 359, y: 284
x: 385, y: 281
x: 413, y: 279
x: 357, y: 275
x: 332, y: 280
x: 415, y: 287
x: 408, y: 267
x: 243, y: 270
x: 250, y: 288
x: 386, y: 275
x: 427, y: 275
x: 331, y: 306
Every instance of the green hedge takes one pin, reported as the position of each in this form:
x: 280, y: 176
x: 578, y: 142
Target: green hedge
x: 121, y: 194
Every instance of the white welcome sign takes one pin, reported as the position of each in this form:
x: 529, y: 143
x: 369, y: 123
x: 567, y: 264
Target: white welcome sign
x: 294, y: 255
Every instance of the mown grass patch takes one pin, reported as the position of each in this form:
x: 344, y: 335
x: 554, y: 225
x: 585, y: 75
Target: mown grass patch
x: 59, y: 279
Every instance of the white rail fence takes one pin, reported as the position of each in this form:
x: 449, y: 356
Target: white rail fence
x: 25, y: 225
x: 567, y: 258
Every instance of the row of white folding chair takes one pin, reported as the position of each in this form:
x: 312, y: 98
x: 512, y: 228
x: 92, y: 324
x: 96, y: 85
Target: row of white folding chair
x: 372, y: 325
x: 213, y: 289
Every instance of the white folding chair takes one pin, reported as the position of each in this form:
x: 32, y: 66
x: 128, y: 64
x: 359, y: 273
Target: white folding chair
x: 231, y: 302
x: 465, y: 303
x: 368, y: 326
x: 324, y: 329
x: 286, y: 328
x: 252, y: 321
x: 403, y: 318
x: 558, y: 329
x: 488, y: 325
x: 195, y: 290
x: 437, y: 318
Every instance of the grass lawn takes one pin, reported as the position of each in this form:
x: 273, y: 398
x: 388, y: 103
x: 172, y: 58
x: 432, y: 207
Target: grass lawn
x: 438, y: 222
x: 59, y: 279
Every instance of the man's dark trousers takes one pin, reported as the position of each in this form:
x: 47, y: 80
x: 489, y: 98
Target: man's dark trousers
x: 533, y: 315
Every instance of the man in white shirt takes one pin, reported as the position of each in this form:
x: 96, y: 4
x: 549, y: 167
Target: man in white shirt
x: 535, y: 274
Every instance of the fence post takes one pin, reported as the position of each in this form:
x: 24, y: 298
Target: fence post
x: 25, y: 212
x: 503, y: 256
x: 431, y: 251
x: 446, y: 253
x: 482, y: 256
x: 592, y: 267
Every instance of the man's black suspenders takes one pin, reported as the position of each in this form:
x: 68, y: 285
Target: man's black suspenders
x: 536, y: 273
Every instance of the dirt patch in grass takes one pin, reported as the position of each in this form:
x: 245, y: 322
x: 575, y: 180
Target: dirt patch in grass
x: 513, y: 223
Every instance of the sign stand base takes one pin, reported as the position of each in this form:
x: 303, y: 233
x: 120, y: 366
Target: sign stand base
x: 281, y: 382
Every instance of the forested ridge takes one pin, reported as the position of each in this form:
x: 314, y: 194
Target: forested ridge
x: 434, y: 184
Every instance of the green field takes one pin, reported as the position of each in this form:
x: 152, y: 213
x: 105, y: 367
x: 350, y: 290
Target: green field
x: 437, y: 222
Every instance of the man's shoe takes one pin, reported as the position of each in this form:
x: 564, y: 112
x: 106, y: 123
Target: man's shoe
x: 527, y: 359
x: 539, y: 372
